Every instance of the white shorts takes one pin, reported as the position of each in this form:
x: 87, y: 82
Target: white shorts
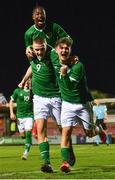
x: 47, y: 107
x: 25, y: 124
x: 75, y: 113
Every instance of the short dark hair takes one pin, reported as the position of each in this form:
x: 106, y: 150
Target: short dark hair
x: 38, y: 7
x: 64, y: 40
x: 39, y: 40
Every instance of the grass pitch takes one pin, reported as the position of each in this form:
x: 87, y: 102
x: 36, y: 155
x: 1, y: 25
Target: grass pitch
x: 93, y: 162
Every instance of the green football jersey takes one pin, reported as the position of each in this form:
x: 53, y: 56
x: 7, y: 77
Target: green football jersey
x: 51, y: 32
x: 43, y: 78
x: 24, y: 104
x: 73, y: 86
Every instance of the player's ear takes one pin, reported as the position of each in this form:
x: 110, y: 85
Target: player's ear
x: 33, y: 16
x: 56, y: 49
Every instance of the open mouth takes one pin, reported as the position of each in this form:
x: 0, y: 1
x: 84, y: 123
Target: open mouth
x: 64, y: 55
x: 41, y: 20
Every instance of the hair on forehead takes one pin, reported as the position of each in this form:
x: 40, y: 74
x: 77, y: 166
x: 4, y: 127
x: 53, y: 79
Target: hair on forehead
x: 38, y: 7
x: 64, y: 40
x: 39, y: 40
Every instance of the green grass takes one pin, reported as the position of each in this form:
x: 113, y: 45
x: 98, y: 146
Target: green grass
x: 92, y: 163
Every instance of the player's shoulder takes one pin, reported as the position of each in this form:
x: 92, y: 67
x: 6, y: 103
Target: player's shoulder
x: 31, y: 28
x: 53, y: 24
x: 16, y: 91
x: 19, y: 89
x: 79, y: 64
x: 50, y: 25
x: 78, y: 67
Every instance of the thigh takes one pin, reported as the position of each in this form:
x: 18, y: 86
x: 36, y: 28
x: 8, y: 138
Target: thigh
x: 68, y: 115
x: 85, y: 117
x: 73, y: 113
x: 56, y: 110
x: 20, y: 124
x: 41, y: 107
x: 28, y: 123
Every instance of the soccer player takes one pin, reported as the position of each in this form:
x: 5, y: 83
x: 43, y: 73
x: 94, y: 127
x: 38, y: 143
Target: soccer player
x: 46, y: 97
x: 42, y: 28
x: 100, y: 112
x: 24, y: 114
x: 75, y: 96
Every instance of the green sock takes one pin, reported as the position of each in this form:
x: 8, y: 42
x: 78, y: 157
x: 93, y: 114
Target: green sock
x: 28, y: 142
x: 44, y: 151
x: 65, y: 153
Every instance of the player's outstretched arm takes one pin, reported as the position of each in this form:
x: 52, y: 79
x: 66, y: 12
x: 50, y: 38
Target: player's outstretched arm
x: 26, y: 77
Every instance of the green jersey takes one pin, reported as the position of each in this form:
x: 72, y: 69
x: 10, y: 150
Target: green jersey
x: 24, y: 104
x: 43, y: 78
x: 51, y: 32
x: 73, y: 86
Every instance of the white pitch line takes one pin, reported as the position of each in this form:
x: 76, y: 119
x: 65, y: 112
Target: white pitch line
x: 24, y: 172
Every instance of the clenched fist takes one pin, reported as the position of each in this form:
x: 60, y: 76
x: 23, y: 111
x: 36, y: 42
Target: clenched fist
x: 63, y: 70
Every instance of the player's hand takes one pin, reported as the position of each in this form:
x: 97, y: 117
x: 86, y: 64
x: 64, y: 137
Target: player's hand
x: 74, y: 59
x: 12, y: 116
x: 29, y: 53
x: 21, y: 84
x: 63, y: 70
x: 7, y: 105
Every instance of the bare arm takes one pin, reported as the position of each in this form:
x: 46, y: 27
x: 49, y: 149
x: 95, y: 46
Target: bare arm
x: 11, y: 107
x: 26, y: 77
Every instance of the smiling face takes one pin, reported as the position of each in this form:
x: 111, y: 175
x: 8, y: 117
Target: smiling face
x: 39, y: 17
x: 63, y: 51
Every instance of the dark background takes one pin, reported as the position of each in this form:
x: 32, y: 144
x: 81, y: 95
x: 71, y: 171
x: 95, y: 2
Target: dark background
x: 90, y: 24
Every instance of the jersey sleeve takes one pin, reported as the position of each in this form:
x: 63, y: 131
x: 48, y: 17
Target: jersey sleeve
x: 77, y: 72
x: 72, y: 79
x: 27, y: 39
x: 54, y: 57
x: 15, y: 94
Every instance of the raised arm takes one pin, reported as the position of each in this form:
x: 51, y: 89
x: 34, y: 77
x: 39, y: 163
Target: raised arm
x: 26, y: 77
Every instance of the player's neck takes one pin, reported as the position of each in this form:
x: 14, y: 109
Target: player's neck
x: 64, y: 62
x: 40, y: 27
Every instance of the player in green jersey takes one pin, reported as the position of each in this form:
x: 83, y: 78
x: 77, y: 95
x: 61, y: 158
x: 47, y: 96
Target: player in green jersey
x: 42, y: 28
x: 46, y: 97
x: 24, y: 114
x: 75, y: 96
